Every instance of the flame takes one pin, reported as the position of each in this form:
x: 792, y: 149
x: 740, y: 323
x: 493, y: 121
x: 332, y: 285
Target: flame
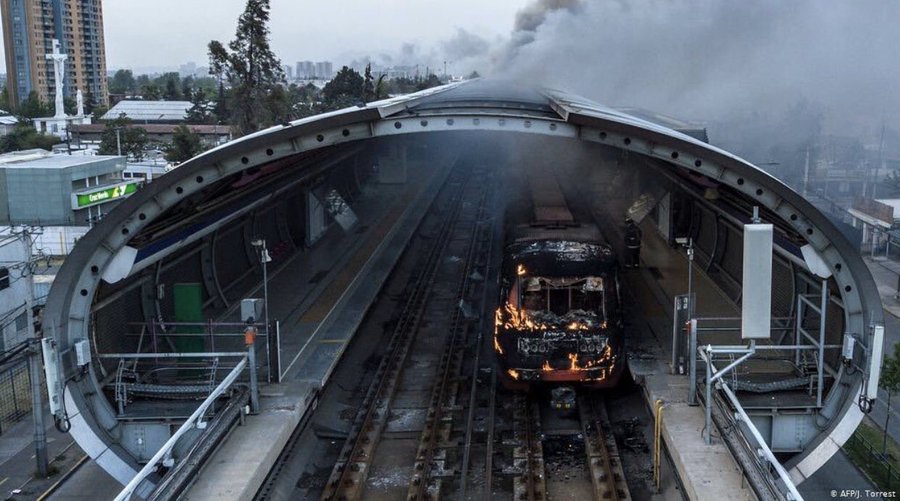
x: 498, y: 321
x: 518, y: 320
x: 520, y: 270
x: 573, y: 359
x: 546, y: 367
x: 513, y: 374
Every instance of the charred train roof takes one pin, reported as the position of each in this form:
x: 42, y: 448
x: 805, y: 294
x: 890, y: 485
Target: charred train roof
x: 562, y: 258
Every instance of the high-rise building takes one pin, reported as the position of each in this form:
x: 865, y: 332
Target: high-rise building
x: 288, y: 72
x: 306, y: 70
x: 29, y: 28
x: 324, y: 70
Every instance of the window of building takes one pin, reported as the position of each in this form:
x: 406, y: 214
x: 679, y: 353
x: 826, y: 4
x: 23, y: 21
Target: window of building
x: 4, y: 278
x: 22, y: 322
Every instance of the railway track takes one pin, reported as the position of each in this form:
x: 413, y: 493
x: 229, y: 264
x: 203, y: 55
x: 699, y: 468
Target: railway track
x: 414, y: 391
x: 560, y: 454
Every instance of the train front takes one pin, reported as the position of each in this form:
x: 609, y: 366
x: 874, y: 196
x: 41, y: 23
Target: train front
x: 559, y: 317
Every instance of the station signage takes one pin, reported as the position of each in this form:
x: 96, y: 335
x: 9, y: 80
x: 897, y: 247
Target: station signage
x: 100, y: 196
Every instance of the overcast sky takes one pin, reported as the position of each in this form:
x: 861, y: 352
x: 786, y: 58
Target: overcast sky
x: 145, y: 33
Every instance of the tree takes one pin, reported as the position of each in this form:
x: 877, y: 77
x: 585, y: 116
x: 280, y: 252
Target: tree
x: 890, y: 381
x: 345, y: 89
x: 25, y: 137
x: 431, y: 81
x: 250, y: 67
x: 185, y: 145
x: 5, y: 105
x: 473, y: 75
x: 187, y: 87
x: 133, y: 140
x: 171, y: 93
x: 151, y: 92
x: 122, y: 82
x: 33, y: 107
x: 368, y: 93
x: 200, y: 111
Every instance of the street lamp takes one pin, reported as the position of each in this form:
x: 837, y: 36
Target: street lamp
x: 264, y: 258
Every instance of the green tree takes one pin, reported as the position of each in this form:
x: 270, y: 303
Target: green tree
x: 5, y: 105
x: 473, y: 75
x: 251, y: 68
x: 25, y: 137
x: 151, y: 92
x: 187, y: 87
x: 33, y: 107
x: 431, y: 81
x: 345, y: 89
x: 368, y: 93
x: 121, y: 132
x: 122, y: 82
x: 185, y: 145
x: 890, y: 382
x: 200, y: 111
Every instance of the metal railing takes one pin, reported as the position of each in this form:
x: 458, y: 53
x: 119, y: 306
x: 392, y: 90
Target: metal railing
x: 195, y: 420
x: 760, y: 451
x: 890, y: 474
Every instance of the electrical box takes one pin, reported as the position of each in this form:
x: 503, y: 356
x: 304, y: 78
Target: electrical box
x: 756, y: 296
x: 51, y: 375
x: 82, y: 352
x: 251, y: 310
x: 849, y: 345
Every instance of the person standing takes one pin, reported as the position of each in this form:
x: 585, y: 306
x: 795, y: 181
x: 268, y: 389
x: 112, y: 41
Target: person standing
x: 632, y: 244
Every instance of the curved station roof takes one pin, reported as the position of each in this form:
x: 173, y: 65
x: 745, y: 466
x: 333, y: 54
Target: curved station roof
x: 109, y: 253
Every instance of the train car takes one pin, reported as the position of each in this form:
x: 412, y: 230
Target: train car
x: 559, y: 319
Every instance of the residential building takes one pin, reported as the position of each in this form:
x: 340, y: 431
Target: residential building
x: 16, y: 292
x: 288, y: 72
x: 324, y: 70
x: 306, y: 70
x: 29, y: 28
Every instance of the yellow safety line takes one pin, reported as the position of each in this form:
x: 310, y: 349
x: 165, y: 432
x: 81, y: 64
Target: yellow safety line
x: 4, y: 480
x: 62, y: 479
x: 332, y: 341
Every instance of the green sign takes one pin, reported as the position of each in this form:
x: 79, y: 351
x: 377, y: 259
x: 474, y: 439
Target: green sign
x: 105, y: 195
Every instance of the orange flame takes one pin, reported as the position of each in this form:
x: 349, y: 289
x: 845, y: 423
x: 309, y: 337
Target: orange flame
x: 573, y: 359
x: 520, y: 270
x: 513, y: 374
x: 546, y: 367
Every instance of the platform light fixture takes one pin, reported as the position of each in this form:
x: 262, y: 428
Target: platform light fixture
x: 264, y: 258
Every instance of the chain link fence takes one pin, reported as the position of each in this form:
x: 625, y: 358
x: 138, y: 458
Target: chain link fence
x: 15, y: 393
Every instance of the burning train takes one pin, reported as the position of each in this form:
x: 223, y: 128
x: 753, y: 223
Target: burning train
x: 559, y: 317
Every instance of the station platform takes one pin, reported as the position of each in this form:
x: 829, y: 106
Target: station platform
x: 319, y: 298
x: 707, y: 472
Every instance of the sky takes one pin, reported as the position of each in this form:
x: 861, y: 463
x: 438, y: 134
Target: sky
x: 148, y: 33
x: 801, y: 63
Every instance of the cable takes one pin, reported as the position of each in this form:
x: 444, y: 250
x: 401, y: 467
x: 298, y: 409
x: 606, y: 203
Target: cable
x: 63, y: 425
x: 865, y: 405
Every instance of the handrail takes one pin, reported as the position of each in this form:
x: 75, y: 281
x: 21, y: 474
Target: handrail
x: 763, y: 446
x: 188, y: 425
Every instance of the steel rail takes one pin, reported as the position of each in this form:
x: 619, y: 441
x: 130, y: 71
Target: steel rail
x: 450, y: 367
x: 351, y: 469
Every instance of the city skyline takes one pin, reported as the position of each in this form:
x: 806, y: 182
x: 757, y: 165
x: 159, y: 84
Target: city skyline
x: 320, y: 35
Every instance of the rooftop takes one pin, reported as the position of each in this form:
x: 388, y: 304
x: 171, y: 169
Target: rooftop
x: 159, y: 111
x: 153, y: 128
x: 42, y: 159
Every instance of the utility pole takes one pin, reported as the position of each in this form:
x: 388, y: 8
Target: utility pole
x: 37, y: 407
x: 118, y: 141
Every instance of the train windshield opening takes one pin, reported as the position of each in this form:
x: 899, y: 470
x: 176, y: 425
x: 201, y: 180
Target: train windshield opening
x: 572, y: 301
